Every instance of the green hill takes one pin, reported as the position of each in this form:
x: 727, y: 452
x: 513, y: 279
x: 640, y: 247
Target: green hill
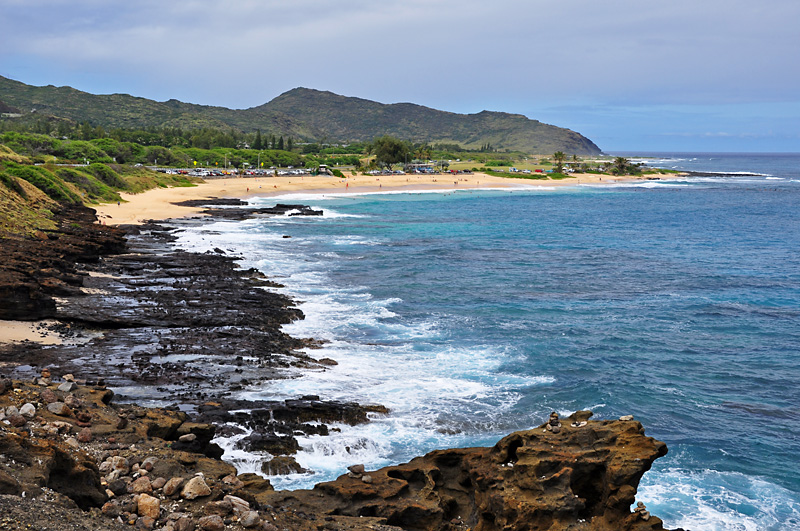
x: 307, y: 114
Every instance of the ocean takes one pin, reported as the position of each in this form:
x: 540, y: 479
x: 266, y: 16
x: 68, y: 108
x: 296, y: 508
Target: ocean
x: 474, y: 313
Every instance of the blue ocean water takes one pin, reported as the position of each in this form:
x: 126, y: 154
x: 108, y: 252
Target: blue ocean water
x: 475, y: 313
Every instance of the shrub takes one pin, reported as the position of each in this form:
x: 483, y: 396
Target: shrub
x: 107, y: 175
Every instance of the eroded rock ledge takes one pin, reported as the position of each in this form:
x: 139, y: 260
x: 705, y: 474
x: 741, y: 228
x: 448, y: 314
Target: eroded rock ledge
x: 101, y: 464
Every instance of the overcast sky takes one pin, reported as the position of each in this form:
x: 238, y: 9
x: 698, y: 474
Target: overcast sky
x: 708, y: 75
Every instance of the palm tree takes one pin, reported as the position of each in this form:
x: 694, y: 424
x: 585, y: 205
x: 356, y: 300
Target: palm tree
x: 621, y: 165
x: 559, y: 157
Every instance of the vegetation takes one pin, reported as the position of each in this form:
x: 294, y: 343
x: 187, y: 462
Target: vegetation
x: 295, y: 117
x: 30, y: 193
x: 389, y: 150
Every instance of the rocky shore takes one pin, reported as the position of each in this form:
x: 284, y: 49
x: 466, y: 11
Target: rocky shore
x: 182, y: 333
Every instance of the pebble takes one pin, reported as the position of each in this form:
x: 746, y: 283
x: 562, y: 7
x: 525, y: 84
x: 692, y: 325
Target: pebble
x: 220, y: 508
x: 73, y: 401
x: 118, y: 487
x: 184, y: 523
x: 159, y: 483
x: 626, y: 418
x: 356, y: 471
x: 149, y: 463
x: 188, y: 438
x: 11, y: 411
x: 366, y: 478
x: 145, y: 523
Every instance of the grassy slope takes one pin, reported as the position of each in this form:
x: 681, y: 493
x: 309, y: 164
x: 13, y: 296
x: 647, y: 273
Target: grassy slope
x: 29, y: 194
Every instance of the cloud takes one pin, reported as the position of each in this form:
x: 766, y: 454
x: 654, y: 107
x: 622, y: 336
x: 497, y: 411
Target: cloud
x: 462, y: 56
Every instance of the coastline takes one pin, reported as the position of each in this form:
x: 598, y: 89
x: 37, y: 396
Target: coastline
x: 166, y: 203
x: 159, y: 204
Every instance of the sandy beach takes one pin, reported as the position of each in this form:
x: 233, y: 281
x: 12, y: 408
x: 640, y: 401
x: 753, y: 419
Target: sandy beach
x: 158, y: 204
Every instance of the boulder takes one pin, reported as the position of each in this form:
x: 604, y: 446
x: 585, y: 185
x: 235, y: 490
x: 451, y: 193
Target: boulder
x: 28, y: 411
x: 195, y: 488
x: 172, y: 486
x: 149, y: 506
x: 282, y: 465
x: 534, y: 479
x: 250, y: 519
x: 221, y: 508
x: 59, y: 408
x: 239, y: 505
x: 67, y: 387
x: 211, y: 523
x: 142, y: 485
x: 85, y: 435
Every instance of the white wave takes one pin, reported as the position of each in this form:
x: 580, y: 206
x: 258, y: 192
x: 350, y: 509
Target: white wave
x: 656, y: 184
x: 438, y: 395
x: 719, y: 501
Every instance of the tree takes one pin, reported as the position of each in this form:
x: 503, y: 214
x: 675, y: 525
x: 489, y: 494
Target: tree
x: 289, y: 144
x: 423, y: 152
x: 280, y: 143
x: 621, y: 166
x: 258, y: 144
x: 558, y: 164
x: 389, y: 150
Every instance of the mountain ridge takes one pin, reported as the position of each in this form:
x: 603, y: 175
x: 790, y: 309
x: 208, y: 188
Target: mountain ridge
x: 307, y: 114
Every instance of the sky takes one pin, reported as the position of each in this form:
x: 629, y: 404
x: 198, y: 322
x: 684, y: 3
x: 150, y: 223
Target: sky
x: 677, y: 75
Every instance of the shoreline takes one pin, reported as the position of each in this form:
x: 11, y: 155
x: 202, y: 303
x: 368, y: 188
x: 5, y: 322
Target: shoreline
x: 159, y: 204
x: 162, y: 204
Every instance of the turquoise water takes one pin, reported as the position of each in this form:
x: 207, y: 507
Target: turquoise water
x: 476, y: 313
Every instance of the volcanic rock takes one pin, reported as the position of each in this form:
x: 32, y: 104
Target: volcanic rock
x: 195, y: 488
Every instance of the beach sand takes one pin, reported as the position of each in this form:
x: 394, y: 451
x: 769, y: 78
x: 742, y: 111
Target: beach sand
x: 158, y: 204
x: 18, y: 331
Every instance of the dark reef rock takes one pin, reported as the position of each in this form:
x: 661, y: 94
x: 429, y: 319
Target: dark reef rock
x: 33, y: 271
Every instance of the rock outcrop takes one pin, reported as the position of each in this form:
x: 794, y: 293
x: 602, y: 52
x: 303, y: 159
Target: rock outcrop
x: 34, y: 270
x: 584, y: 477
x: 580, y: 478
